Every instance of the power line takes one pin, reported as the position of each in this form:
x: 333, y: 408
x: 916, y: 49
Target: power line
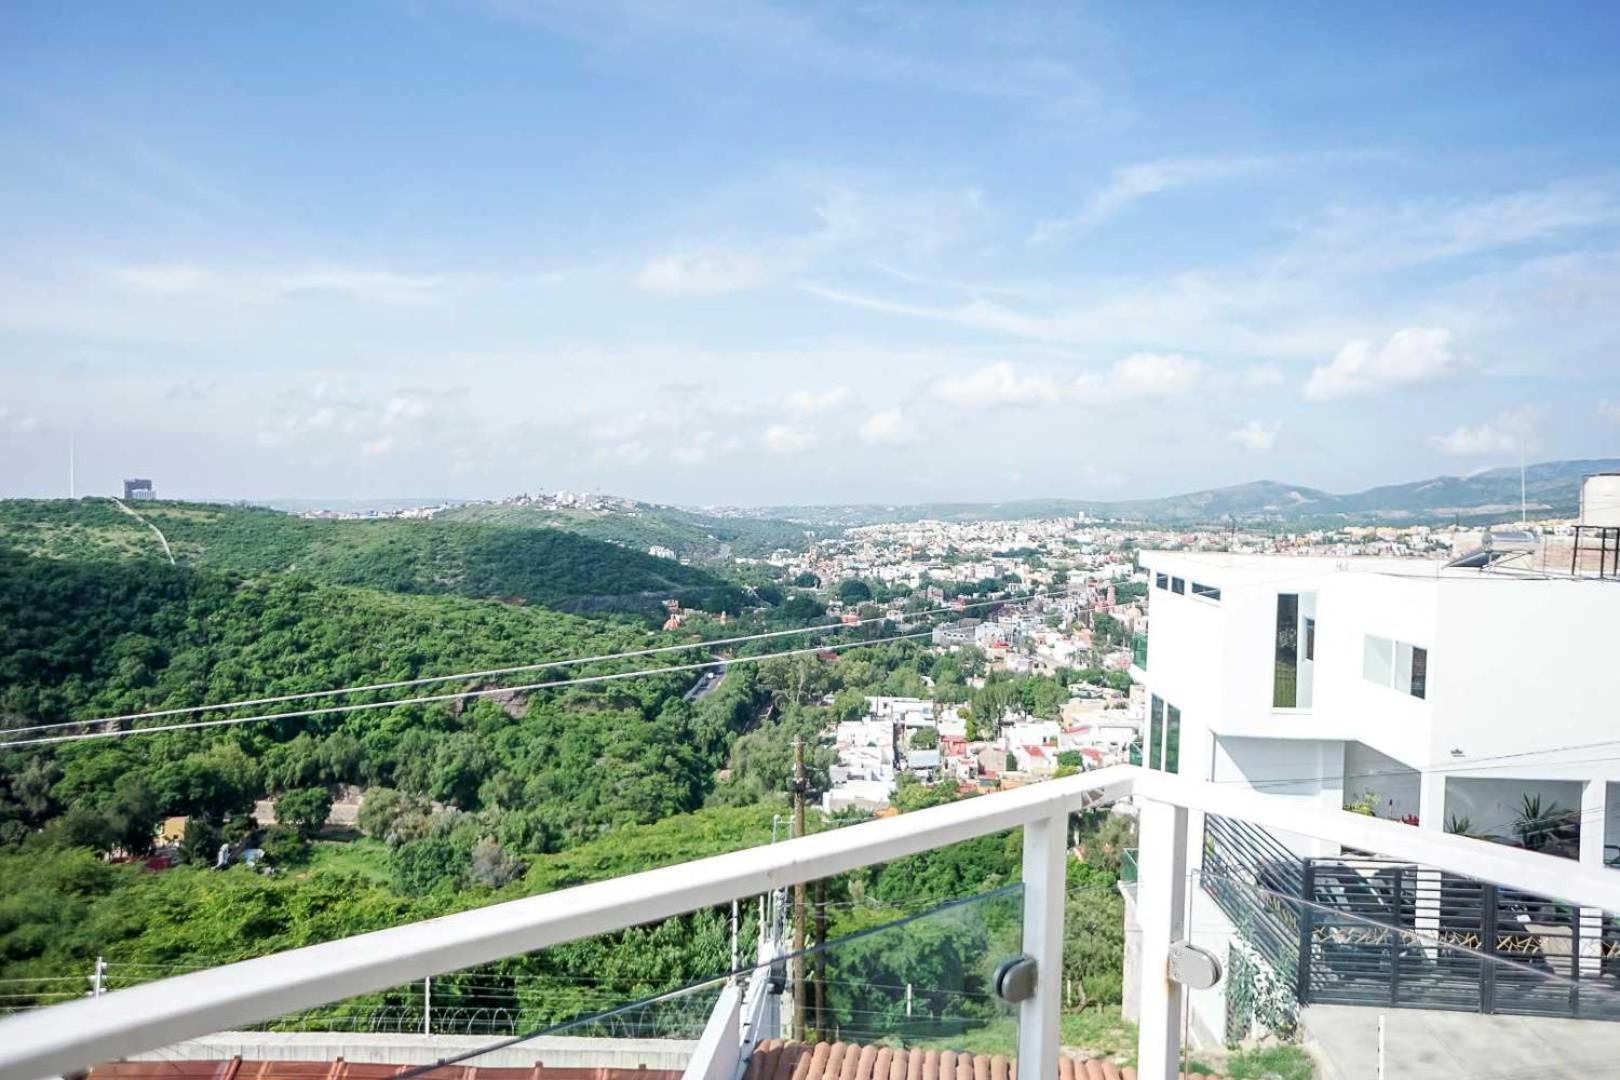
x: 458, y: 696
x: 307, y: 695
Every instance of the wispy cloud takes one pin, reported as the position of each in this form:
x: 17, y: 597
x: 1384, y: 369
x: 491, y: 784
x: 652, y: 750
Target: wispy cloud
x: 709, y: 273
x: 1509, y: 432
x: 1257, y: 436
x: 888, y: 427
x: 787, y: 439
x: 1413, y: 355
x: 181, y: 280
x: 1142, y: 375
x: 996, y: 385
x: 1131, y: 183
x: 811, y: 402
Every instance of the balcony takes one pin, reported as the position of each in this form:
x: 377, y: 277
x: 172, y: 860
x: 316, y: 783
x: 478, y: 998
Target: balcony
x: 880, y: 992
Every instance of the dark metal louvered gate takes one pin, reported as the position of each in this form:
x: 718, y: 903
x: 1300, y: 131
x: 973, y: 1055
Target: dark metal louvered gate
x: 1397, y: 935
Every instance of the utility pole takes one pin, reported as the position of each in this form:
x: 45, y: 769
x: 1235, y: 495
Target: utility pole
x: 427, y: 1004
x: 98, y: 980
x: 799, y: 785
x: 821, y: 958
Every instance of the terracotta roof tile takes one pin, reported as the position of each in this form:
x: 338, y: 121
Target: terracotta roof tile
x: 851, y: 1061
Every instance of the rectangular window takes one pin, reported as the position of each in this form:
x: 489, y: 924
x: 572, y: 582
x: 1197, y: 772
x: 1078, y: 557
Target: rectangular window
x: 1285, y: 671
x: 1177, y: 585
x: 1378, y: 660
x: 1172, y: 739
x: 1161, y: 580
x: 1208, y: 592
x: 1310, y: 638
x: 1401, y: 666
x: 1155, y: 731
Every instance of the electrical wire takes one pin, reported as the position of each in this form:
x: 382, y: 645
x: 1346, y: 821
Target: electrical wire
x: 514, y: 669
x: 463, y: 695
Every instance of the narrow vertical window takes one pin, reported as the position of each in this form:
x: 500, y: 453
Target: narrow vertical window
x: 1285, y: 675
x: 1172, y: 739
x: 1310, y: 639
x: 1155, y: 731
x: 1420, y: 672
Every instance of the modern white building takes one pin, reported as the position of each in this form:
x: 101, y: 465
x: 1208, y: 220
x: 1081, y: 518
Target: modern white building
x: 1408, y: 688
x: 1447, y: 697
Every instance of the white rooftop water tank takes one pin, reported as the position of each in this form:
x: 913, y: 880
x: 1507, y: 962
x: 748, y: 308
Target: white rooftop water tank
x: 1600, y: 500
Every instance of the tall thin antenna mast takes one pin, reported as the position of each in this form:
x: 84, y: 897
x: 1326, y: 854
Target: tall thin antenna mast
x: 1523, y: 518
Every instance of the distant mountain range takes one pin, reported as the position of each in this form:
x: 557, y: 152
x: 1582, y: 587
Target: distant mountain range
x: 1552, y: 489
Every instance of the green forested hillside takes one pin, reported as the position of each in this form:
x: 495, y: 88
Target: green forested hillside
x: 536, y: 565
x: 689, y: 534
x: 465, y: 802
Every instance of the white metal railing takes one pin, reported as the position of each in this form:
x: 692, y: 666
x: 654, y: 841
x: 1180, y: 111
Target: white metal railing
x: 79, y: 1034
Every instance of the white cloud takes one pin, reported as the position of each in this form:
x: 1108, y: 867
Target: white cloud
x: 1257, y: 435
x: 707, y: 273
x: 17, y: 423
x: 1142, y: 375
x: 996, y: 385
x: 1415, y: 354
x: 180, y: 280
x: 700, y: 448
x: 810, y: 402
x: 1508, y: 433
x: 786, y: 439
x: 381, y: 446
x: 1611, y: 409
x: 888, y: 427
x: 1259, y: 375
x: 1133, y: 182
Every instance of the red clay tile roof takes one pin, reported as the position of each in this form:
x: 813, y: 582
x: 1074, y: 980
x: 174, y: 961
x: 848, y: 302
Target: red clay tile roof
x: 778, y: 1060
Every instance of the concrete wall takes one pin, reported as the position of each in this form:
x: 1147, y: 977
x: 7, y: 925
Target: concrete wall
x: 554, y: 1051
x: 1395, y: 786
x: 1523, y: 665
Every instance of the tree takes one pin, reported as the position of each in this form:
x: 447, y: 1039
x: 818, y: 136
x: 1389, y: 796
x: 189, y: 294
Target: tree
x: 200, y: 847
x: 381, y: 811
x: 305, y: 809
x: 925, y: 739
x: 133, y: 815
x: 492, y: 866
x: 854, y: 592
x: 806, y: 580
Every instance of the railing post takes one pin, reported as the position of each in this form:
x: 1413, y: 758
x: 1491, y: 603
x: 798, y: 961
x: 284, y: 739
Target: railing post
x: 1161, y: 907
x: 1045, y: 889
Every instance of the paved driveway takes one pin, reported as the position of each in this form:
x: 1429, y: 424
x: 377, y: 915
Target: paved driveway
x: 1419, y: 1043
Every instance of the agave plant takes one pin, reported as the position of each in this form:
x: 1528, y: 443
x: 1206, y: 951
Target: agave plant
x: 1537, y: 823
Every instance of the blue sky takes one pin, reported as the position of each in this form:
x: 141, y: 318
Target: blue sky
x: 763, y: 253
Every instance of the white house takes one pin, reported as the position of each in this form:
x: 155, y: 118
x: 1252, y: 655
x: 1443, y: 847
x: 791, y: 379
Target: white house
x: 1436, y: 694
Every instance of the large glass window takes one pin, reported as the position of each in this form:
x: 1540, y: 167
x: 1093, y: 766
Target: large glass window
x: 1178, y: 585
x: 1172, y: 739
x: 1396, y: 664
x: 1285, y: 672
x: 1161, y: 581
x: 1155, y: 731
x: 1208, y: 592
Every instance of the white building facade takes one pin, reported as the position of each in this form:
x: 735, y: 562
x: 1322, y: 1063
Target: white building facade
x: 1444, y: 697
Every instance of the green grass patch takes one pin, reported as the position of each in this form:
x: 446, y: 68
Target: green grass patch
x: 366, y: 858
x: 1271, y: 1063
